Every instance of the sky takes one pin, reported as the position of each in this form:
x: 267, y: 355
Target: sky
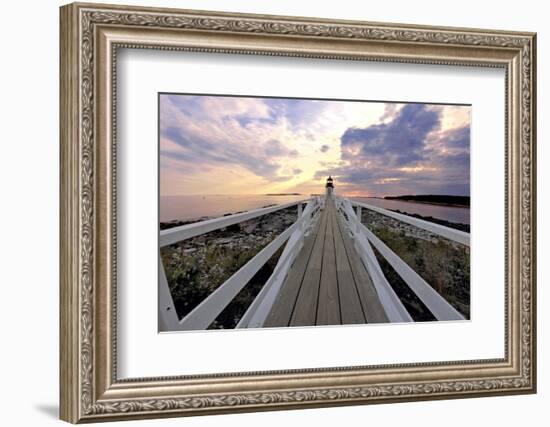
x: 244, y: 145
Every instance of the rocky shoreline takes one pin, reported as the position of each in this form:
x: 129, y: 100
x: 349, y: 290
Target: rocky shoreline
x: 435, y: 199
x: 455, y: 225
x: 197, y: 266
x: 442, y: 263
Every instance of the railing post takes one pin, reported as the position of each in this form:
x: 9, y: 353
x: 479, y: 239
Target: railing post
x: 299, y: 210
x: 167, y: 316
x: 358, y: 212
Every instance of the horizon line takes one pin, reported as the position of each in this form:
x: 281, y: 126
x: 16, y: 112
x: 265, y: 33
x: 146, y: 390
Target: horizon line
x: 308, y: 194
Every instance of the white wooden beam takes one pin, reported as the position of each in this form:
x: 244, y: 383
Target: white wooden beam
x: 394, y: 308
x: 183, y: 232
x: 447, y: 232
x: 437, y: 305
x: 206, y: 312
x: 167, y: 315
x: 261, y: 306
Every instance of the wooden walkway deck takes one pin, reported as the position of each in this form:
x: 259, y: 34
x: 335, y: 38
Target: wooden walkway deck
x: 328, y: 283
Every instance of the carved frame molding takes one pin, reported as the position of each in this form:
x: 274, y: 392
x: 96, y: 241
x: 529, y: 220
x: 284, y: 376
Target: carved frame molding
x: 90, y: 37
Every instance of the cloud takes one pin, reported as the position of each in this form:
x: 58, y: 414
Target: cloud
x: 274, y: 144
x: 223, y: 131
x: 457, y: 139
x: 390, y: 110
x: 196, y: 149
x: 396, y: 143
x: 408, y: 154
x: 298, y: 113
x: 274, y: 148
x: 282, y: 178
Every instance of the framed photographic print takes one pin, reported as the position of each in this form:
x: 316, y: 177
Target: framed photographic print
x: 266, y: 212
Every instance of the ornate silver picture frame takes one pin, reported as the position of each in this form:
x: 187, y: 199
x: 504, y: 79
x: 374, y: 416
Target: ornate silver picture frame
x: 92, y: 36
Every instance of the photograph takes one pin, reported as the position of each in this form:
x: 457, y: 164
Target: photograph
x: 293, y: 212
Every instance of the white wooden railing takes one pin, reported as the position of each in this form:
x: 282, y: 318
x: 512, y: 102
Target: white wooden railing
x: 206, y: 312
x: 363, y: 239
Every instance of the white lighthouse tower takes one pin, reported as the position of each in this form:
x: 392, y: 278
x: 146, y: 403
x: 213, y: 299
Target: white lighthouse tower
x: 329, y: 187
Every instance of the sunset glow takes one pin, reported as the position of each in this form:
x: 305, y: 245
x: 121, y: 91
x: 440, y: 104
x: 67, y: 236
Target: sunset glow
x: 243, y: 145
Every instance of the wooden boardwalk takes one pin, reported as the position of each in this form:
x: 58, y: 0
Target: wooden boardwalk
x: 328, y: 283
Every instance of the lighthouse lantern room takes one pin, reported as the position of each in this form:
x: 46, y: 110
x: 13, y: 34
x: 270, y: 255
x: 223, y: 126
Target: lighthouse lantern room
x: 329, y: 187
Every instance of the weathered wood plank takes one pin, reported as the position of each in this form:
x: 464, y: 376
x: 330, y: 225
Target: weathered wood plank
x: 328, y: 283
x: 283, y: 306
x: 350, y: 303
x: 374, y: 312
x: 305, y: 310
x: 328, y: 307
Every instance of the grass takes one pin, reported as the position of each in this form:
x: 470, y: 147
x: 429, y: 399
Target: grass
x: 194, y: 277
x: 445, y: 265
x: 197, y: 267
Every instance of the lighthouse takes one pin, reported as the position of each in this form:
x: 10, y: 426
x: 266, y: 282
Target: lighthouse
x: 329, y: 187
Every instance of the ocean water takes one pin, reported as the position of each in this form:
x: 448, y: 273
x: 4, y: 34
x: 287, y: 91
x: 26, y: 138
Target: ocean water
x: 447, y: 213
x: 187, y: 208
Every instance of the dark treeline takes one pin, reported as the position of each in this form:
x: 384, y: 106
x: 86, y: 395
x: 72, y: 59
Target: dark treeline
x: 432, y: 198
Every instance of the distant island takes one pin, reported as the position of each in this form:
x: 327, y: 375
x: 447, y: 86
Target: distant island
x: 458, y: 201
x: 283, y: 194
